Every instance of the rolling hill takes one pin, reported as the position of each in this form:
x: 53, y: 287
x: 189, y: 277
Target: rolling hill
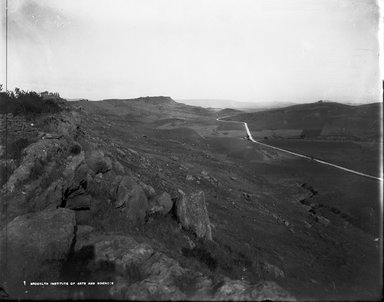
x: 320, y: 119
x: 146, y: 109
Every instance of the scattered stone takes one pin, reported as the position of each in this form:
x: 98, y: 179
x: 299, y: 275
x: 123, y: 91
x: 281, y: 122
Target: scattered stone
x: 246, y: 196
x: 52, y: 136
x: 192, y: 213
x: 148, y: 190
x: 120, y: 152
x: 189, y: 177
x: 322, y: 220
x: 133, y: 151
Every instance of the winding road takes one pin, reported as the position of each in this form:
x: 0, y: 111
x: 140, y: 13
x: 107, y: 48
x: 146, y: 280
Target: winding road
x: 298, y: 154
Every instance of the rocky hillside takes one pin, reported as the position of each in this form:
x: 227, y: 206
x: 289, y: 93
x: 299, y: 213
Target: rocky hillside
x: 79, y: 205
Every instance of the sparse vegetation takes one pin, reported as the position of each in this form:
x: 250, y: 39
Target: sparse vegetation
x: 20, y: 102
x: 4, y: 174
x: 37, y: 170
x: 16, y: 148
x: 75, y: 149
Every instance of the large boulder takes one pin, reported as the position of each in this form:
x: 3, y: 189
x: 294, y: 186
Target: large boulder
x: 32, y: 246
x: 192, y: 213
x: 161, y: 204
x: 79, y: 202
x: 98, y: 162
x: 131, y: 198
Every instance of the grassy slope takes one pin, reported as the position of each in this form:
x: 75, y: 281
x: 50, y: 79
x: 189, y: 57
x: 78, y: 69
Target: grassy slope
x: 342, y: 134
x: 270, y: 224
x: 332, y: 118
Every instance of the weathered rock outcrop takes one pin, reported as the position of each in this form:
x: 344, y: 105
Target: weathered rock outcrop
x: 72, y: 183
x: 32, y: 245
x: 235, y: 290
x: 146, y: 274
x: 34, y: 153
x: 192, y: 213
x: 131, y: 198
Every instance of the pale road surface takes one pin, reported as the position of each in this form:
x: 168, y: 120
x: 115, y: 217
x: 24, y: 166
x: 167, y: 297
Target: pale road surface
x: 300, y: 155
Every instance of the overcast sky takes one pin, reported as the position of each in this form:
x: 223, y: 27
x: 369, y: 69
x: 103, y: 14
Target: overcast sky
x: 245, y: 50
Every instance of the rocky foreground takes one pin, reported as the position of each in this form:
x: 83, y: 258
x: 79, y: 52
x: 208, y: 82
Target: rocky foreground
x: 70, y: 211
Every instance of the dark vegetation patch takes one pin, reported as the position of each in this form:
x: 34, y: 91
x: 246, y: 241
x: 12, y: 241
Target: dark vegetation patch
x: 219, y: 258
x: 309, y: 188
x: 134, y: 273
x: 75, y: 149
x: 37, y: 169
x: 81, y: 266
x: 15, y: 149
x: 186, y: 284
x: 20, y: 102
x: 201, y: 255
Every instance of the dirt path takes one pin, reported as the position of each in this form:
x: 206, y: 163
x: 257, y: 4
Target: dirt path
x: 298, y: 154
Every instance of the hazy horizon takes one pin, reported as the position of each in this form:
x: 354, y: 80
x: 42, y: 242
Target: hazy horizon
x: 290, y: 51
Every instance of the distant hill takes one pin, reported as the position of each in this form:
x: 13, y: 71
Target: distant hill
x: 146, y: 109
x: 325, y: 119
x: 228, y: 112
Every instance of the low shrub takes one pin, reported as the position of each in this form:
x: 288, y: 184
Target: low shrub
x: 134, y: 273
x: 202, y: 255
x: 15, y: 149
x: 75, y: 149
x: 4, y: 174
x: 37, y: 170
